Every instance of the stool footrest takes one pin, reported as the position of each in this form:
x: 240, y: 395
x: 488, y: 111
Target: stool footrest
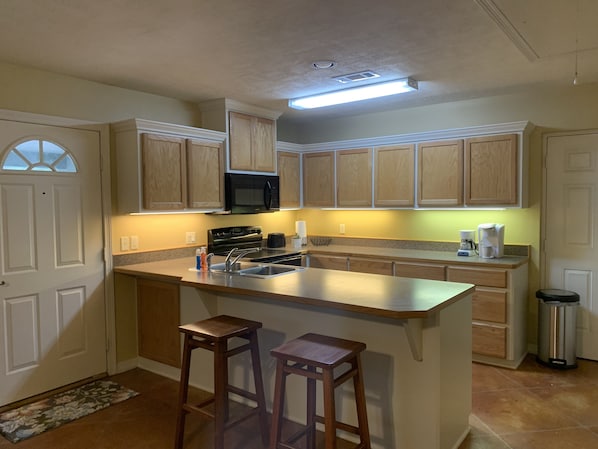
x: 340, y: 425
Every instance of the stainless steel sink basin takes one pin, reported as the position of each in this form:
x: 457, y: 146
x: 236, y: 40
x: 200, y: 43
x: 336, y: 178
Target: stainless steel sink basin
x: 258, y: 270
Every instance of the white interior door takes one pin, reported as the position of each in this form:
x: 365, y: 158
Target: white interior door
x: 52, y: 311
x: 570, y: 227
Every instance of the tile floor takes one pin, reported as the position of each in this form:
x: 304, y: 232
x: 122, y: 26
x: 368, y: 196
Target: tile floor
x: 533, y: 407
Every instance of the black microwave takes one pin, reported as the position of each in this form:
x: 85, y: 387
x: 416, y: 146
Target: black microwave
x: 251, y: 194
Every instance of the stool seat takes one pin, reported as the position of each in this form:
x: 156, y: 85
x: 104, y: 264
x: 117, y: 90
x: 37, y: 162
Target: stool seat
x: 319, y: 350
x: 316, y: 357
x: 213, y: 334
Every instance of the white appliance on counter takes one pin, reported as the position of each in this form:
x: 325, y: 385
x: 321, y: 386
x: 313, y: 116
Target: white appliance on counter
x: 491, y: 240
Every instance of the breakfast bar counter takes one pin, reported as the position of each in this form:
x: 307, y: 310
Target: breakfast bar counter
x: 417, y: 366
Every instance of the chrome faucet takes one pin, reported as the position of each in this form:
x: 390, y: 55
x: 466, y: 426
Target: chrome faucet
x: 228, y: 264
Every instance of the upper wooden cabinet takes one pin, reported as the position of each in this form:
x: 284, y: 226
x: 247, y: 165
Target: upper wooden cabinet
x: 491, y: 170
x: 318, y: 179
x: 394, y: 176
x: 163, y: 172
x: 252, y: 143
x: 289, y: 171
x: 440, y: 173
x: 354, y: 178
x: 161, y: 167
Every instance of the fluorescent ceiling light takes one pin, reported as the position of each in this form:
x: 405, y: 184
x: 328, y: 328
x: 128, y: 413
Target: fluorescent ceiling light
x: 355, y: 94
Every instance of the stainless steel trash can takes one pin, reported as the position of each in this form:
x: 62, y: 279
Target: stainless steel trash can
x: 557, y: 327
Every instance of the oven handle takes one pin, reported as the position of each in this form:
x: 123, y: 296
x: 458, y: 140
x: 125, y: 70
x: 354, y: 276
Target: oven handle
x: 268, y: 195
x: 295, y: 260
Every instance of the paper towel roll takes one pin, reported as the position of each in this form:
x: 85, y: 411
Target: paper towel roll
x: 301, y: 230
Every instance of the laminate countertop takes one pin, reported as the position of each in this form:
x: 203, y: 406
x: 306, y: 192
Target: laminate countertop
x: 416, y: 255
x: 370, y: 294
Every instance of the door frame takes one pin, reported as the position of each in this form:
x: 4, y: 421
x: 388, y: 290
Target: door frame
x: 103, y: 130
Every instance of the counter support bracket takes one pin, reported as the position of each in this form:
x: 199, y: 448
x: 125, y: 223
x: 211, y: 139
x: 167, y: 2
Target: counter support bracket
x: 414, y: 331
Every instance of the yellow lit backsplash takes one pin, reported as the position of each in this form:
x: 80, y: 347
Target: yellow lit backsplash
x: 156, y: 232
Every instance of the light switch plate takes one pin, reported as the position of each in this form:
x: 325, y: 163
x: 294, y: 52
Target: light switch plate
x: 134, y: 242
x: 124, y: 244
x: 190, y: 237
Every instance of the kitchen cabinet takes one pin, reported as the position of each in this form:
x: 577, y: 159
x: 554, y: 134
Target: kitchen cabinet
x: 370, y: 265
x: 440, y: 173
x: 354, y: 178
x: 394, y: 176
x: 252, y: 143
x: 163, y: 167
x: 289, y: 172
x: 158, y: 311
x: 491, y: 170
x: 499, y: 309
x: 329, y: 262
x: 318, y: 179
x: 433, y: 272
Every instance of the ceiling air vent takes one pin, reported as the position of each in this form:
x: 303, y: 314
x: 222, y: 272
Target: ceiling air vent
x: 357, y: 76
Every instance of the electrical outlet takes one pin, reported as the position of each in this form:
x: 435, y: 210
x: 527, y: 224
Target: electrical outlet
x: 190, y: 237
x: 341, y: 228
x: 134, y: 242
x: 124, y: 243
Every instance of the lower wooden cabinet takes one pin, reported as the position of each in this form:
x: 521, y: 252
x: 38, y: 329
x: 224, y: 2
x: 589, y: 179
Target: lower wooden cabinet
x: 369, y: 265
x: 329, y: 262
x: 434, y: 272
x: 158, y: 318
x: 489, y: 340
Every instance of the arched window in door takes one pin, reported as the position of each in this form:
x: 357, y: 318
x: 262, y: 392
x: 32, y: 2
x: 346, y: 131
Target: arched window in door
x: 37, y: 155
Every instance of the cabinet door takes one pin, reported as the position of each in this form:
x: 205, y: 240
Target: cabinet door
x: 318, y: 179
x: 394, y: 169
x: 491, y: 170
x: 354, y: 178
x: 420, y: 271
x: 263, y: 143
x: 251, y: 142
x: 158, y: 321
x: 373, y: 266
x: 289, y: 170
x: 239, y: 127
x: 205, y: 174
x: 489, y: 305
x: 489, y: 340
x: 440, y: 173
x: 163, y: 172
x: 329, y: 262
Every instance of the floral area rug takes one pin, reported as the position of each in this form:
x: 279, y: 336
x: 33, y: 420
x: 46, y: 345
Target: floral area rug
x: 32, y: 419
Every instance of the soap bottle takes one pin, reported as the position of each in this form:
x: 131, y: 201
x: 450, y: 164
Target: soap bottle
x: 198, y: 264
x: 203, y: 257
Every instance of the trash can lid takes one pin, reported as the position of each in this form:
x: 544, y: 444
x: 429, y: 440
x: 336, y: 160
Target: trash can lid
x: 554, y: 294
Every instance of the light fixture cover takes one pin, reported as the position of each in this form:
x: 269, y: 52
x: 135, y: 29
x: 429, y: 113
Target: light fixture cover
x: 355, y: 94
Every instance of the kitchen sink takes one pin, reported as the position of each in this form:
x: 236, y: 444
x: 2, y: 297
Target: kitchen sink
x: 257, y: 270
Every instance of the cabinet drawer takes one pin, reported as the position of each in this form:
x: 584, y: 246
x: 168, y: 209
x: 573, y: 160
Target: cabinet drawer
x: 489, y: 340
x: 489, y: 305
x: 486, y: 278
x: 420, y: 271
x: 328, y: 262
x: 372, y: 266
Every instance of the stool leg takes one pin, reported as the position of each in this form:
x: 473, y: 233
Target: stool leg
x: 278, y: 404
x: 362, y: 416
x: 220, y: 392
x: 311, y: 410
x: 329, y: 409
x: 259, y: 386
x: 183, y: 392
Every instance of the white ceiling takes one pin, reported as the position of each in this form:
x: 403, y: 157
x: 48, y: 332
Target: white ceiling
x: 260, y: 51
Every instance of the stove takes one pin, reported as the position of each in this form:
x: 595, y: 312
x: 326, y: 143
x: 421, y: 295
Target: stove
x: 222, y: 240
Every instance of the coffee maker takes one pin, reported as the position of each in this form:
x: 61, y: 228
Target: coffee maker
x: 467, y: 245
x: 491, y: 240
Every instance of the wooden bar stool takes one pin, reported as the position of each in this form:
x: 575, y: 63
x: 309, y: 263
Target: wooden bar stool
x: 214, y: 334
x: 315, y: 357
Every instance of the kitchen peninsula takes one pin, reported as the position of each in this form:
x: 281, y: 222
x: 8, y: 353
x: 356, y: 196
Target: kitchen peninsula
x: 418, y: 334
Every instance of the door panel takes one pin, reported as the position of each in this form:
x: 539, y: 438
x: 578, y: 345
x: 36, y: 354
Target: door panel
x: 570, y: 227
x: 52, y: 311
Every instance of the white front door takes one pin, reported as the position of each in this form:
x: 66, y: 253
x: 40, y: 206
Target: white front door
x: 52, y: 311
x: 570, y: 224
